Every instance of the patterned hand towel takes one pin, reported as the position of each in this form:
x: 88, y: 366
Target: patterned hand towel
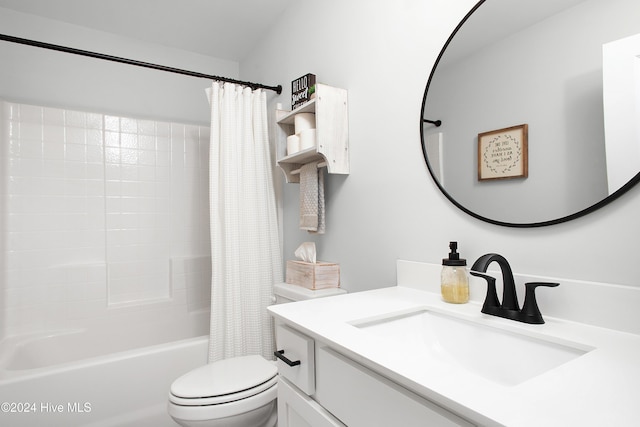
x: 312, y: 198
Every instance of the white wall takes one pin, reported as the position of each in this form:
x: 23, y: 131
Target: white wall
x: 43, y: 77
x: 388, y: 207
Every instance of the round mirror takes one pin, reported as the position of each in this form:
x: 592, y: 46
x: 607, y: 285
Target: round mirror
x: 519, y: 105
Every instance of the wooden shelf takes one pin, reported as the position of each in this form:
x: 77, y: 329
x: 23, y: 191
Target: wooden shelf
x: 302, y: 156
x: 308, y: 107
x: 332, y: 133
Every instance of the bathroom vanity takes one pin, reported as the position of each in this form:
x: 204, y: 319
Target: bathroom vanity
x: 401, y: 356
x: 345, y: 392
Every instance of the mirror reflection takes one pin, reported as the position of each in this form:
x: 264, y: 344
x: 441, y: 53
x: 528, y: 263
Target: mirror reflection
x: 568, y: 70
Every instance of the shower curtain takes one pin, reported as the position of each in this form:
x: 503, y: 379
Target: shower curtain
x: 245, y: 246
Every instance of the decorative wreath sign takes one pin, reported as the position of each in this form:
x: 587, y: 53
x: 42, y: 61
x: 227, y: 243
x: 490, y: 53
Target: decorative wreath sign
x: 502, y: 153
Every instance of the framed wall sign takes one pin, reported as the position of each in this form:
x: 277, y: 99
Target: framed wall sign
x: 502, y: 153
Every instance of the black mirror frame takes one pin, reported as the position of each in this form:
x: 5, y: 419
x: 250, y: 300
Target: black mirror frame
x: 633, y: 181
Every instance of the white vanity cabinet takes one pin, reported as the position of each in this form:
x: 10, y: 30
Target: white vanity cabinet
x: 296, y: 409
x: 297, y: 383
x: 359, y: 397
x: 345, y: 393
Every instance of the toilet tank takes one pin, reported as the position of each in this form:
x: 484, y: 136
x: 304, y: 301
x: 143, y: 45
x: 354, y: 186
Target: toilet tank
x: 285, y: 292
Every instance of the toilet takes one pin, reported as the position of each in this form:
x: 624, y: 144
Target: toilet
x: 236, y: 392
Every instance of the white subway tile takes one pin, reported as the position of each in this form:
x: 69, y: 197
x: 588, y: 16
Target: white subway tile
x: 130, y: 204
x: 74, y: 135
x: 75, y: 153
x: 129, y: 141
x: 163, y: 129
x: 53, y: 116
x: 112, y: 155
x: 31, y: 114
x: 177, y: 132
x: 129, y: 172
x: 95, y: 137
x: 53, y: 150
x: 53, y: 133
x: 82, y: 192
x: 117, y: 238
x: 112, y: 172
x: 75, y: 119
x: 75, y: 187
x: 94, y: 171
x: 146, y: 173
x: 95, y: 121
x: 163, y: 143
x: 146, y: 157
x: 147, y: 142
x: 128, y: 125
x: 11, y: 111
x: 129, y: 188
x: 163, y: 159
x: 145, y: 188
x: 112, y: 139
x: 95, y: 204
x: 31, y: 135
x: 13, y: 147
x: 50, y: 168
x: 128, y: 156
x: 75, y: 170
x: 163, y: 175
x: 146, y: 127
x: 95, y: 154
x: 31, y: 142
x: 112, y: 123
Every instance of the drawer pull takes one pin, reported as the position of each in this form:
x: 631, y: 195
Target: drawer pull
x: 280, y: 355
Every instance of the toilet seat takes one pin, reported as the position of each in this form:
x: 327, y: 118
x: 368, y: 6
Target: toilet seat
x: 224, y: 381
x: 227, y: 398
x: 237, y: 387
x: 264, y: 401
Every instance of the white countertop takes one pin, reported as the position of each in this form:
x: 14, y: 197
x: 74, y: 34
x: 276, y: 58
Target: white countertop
x: 599, y: 388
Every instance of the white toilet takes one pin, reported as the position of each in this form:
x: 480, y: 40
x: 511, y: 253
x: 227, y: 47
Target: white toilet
x: 236, y: 392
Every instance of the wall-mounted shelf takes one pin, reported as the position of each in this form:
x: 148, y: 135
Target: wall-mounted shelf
x: 332, y: 133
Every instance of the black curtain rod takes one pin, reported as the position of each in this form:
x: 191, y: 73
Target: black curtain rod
x: 277, y: 89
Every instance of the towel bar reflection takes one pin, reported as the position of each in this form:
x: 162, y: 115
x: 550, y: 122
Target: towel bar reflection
x: 297, y: 171
x: 433, y: 122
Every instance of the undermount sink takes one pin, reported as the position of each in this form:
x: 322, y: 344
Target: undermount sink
x: 502, y: 356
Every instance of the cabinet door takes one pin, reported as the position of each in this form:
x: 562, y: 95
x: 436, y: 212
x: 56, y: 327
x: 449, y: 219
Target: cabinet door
x: 362, y: 398
x: 298, y: 348
x: 296, y: 409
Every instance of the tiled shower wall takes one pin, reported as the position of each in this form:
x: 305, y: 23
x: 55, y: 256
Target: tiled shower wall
x: 100, y: 214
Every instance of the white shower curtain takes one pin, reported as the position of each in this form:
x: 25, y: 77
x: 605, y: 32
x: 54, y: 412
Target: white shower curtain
x: 245, y: 246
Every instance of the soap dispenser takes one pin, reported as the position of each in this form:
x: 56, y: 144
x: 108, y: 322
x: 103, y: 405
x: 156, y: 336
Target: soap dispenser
x: 454, y: 282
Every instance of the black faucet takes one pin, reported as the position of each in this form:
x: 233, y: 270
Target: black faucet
x: 509, y: 308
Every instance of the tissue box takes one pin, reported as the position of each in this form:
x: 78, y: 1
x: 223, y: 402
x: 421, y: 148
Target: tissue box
x: 320, y: 275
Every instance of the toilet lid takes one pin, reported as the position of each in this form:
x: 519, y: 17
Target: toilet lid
x: 224, y: 377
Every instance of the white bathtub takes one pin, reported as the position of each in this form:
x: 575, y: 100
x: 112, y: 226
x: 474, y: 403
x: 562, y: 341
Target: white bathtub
x: 41, y: 386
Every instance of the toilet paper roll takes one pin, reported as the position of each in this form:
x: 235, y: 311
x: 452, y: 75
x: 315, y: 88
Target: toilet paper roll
x: 307, y: 139
x: 304, y: 121
x: 293, y: 144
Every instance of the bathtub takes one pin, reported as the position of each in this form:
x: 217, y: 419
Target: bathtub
x: 42, y: 385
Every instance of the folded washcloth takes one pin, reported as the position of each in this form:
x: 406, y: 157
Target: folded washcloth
x: 312, y: 198
x: 321, y: 216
